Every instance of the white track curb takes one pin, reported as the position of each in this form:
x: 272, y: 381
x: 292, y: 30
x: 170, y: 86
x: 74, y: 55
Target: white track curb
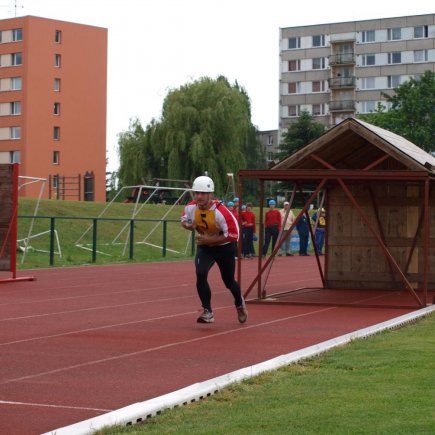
x: 140, y: 411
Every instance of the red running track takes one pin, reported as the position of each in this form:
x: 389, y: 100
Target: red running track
x: 79, y: 342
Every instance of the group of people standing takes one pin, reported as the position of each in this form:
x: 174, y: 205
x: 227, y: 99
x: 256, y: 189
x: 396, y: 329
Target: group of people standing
x: 278, y: 222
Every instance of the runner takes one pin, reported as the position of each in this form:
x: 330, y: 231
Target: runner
x: 217, y: 230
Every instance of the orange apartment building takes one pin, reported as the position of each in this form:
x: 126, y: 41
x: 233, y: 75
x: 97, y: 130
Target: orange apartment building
x: 53, y: 87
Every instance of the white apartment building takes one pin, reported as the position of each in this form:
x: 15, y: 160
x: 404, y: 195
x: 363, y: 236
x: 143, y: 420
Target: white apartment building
x: 339, y: 70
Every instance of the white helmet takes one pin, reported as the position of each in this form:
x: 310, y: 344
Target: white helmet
x: 203, y: 184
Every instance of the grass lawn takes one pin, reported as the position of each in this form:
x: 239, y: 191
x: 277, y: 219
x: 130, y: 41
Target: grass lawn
x: 112, y: 233
x: 381, y: 385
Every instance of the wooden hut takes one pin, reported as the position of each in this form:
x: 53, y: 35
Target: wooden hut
x: 380, y: 206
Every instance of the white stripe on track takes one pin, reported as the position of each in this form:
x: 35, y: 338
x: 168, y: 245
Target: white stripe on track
x: 7, y: 402
x: 97, y: 328
x: 136, y: 290
x: 164, y: 346
x: 101, y: 307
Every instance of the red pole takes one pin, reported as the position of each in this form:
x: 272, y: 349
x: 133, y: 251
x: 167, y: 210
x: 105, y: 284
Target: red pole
x: 13, y: 232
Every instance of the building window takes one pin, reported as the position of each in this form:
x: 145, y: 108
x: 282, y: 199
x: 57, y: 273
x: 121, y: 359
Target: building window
x: 318, y: 86
x: 394, y: 34
x: 17, y: 35
x: 293, y: 87
x: 56, y: 155
x: 318, y: 40
x: 368, y: 106
x: 56, y: 133
x: 294, y: 42
x: 319, y: 63
x: 56, y: 109
x: 56, y: 85
x: 15, y: 83
x: 57, y: 59
x: 368, y: 83
x: 421, y: 32
x: 269, y: 156
x: 17, y: 59
x: 57, y: 36
x: 368, y: 59
x: 395, y: 57
x: 368, y: 36
x: 420, y: 55
x: 15, y: 108
x: 293, y: 110
x: 269, y: 139
x: 15, y: 132
x: 318, y: 109
x: 14, y: 156
x: 393, y: 81
x: 294, y: 65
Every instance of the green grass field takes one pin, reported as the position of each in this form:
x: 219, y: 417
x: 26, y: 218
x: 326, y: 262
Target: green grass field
x: 112, y: 235
x: 381, y: 385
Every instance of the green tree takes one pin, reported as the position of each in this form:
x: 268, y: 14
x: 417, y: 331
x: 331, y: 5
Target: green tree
x: 205, y: 126
x: 412, y: 112
x: 299, y: 134
x: 131, y: 154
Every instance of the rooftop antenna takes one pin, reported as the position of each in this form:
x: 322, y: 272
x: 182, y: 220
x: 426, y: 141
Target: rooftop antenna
x: 16, y: 6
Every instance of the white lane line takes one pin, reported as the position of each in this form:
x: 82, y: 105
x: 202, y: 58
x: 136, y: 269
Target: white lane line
x: 105, y: 294
x: 101, y: 307
x: 164, y: 346
x: 8, y: 402
x: 113, y: 325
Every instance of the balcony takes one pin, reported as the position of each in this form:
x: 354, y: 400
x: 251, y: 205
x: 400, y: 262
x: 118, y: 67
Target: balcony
x: 341, y: 82
x: 342, y: 59
x: 342, y: 106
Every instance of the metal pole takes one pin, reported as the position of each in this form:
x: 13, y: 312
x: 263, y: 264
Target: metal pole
x: 131, y: 238
x: 52, y: 241
x: 165, y: 228
x: 94, y: 240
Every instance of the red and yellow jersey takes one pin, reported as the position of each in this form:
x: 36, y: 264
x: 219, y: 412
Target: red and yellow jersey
x: 217, y: 219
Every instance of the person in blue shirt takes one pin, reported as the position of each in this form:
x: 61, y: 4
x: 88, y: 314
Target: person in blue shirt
x: 319, y: 217
x: 303, y: 231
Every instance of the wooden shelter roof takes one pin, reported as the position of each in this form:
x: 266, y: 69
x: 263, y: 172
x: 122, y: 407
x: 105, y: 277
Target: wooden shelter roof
x: 354, y: 145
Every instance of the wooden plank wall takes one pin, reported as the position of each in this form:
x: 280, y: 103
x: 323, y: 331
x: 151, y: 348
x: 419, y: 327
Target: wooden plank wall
x: 355, y: 259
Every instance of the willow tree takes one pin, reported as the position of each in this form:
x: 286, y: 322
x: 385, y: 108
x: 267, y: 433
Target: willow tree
x: 205, y: 126
x: 131, y: 155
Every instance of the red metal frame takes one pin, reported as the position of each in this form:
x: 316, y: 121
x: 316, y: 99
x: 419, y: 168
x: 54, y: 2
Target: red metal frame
x: 12, y: 231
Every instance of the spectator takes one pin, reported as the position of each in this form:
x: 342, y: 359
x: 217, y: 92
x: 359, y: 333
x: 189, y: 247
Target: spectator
x: 232, y: 208
x: 248, y: 231
x: 287, y: 219
x: 272, y: 226
x: 319, y: 220
x: 303, y: 231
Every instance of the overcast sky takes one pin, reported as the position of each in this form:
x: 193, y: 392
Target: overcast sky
x: 158, y: 45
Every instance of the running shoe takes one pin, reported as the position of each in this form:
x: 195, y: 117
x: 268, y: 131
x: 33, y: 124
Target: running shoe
x: 206, y: 317
x: 242, y: 313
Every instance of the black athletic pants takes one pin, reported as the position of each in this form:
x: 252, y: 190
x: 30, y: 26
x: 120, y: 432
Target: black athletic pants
x: 223, y: 255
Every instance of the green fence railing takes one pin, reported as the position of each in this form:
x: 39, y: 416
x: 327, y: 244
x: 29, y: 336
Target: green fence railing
x: 95, y: 232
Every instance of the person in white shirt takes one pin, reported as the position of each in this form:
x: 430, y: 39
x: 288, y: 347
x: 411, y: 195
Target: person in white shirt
x: 286, y: 223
